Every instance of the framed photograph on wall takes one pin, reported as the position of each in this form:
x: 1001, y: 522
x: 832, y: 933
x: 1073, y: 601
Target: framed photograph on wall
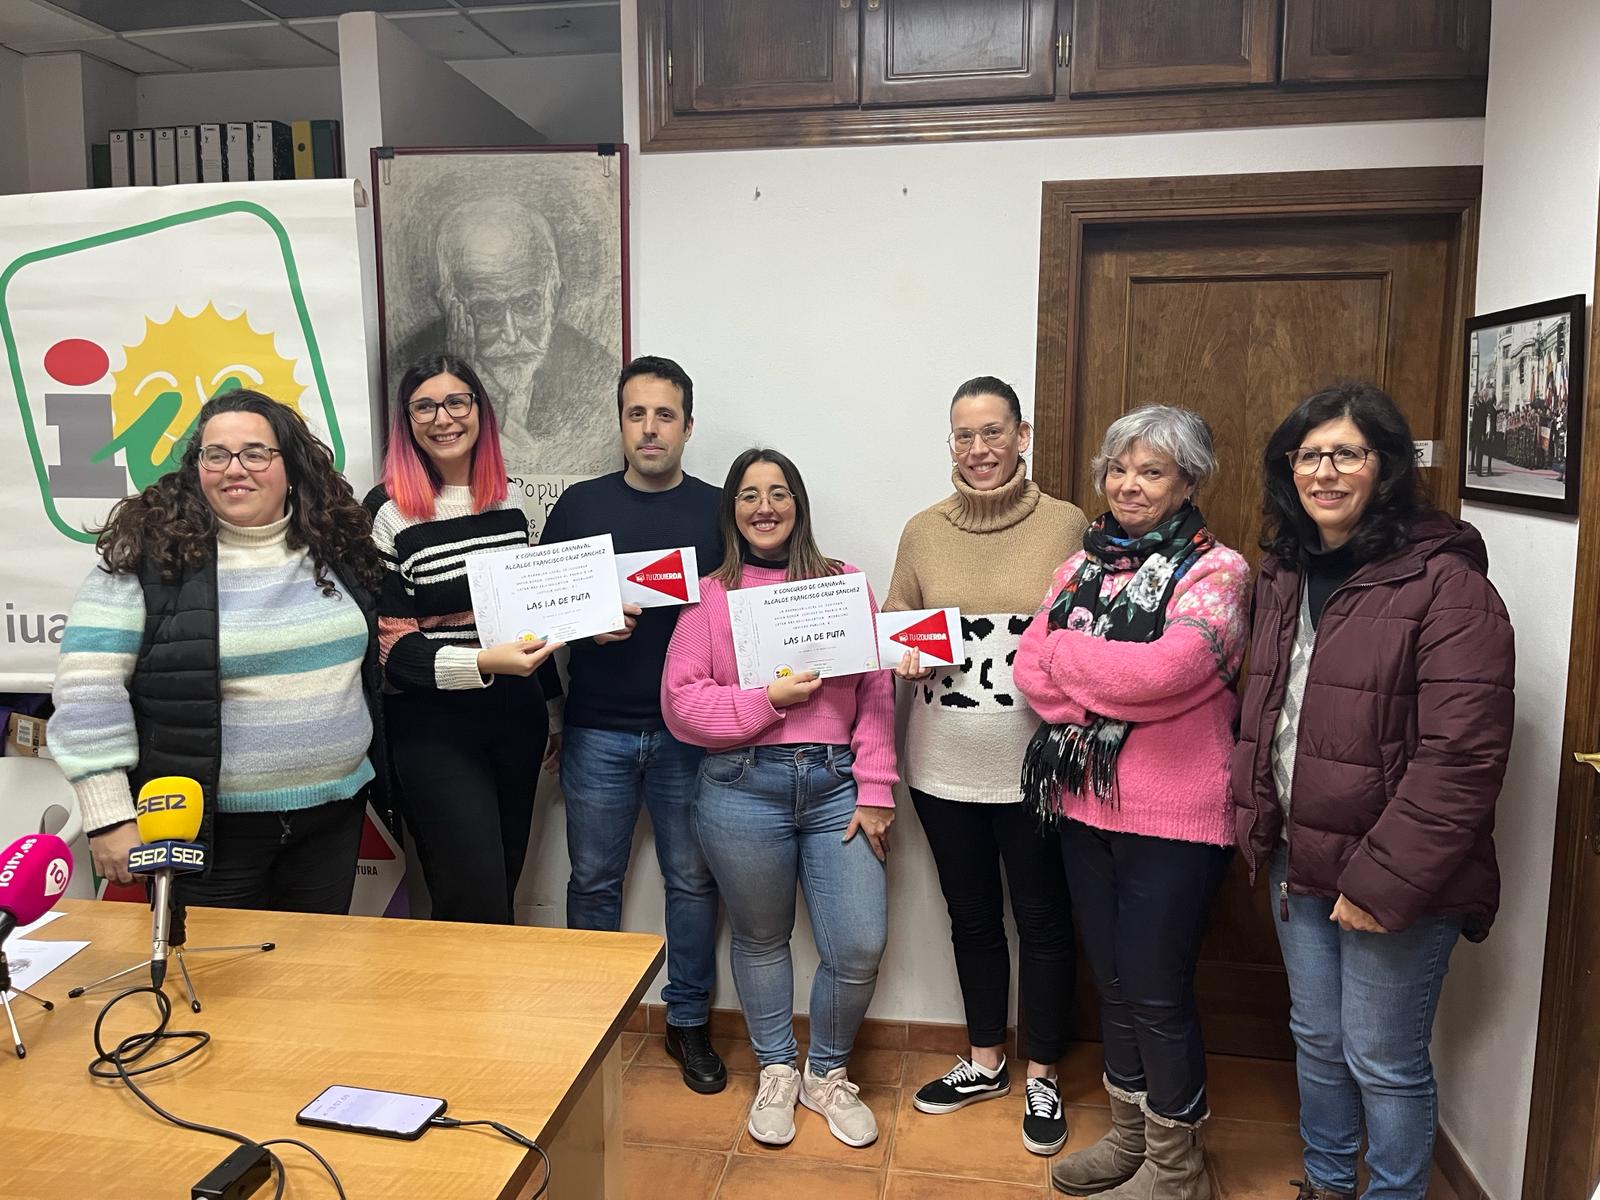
x: 514, y: 259
x: 1522, y: 407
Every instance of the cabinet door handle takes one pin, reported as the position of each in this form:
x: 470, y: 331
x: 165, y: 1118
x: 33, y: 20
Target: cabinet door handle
x: 844, y: 5
x: 872, y: 5
x: 1592, y: 759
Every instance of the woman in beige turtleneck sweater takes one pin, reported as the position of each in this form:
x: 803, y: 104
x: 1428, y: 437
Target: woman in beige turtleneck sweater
x: 990, y: 550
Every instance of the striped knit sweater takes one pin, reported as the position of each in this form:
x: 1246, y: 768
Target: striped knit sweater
x: 427, y: 635
x: 295, y: 725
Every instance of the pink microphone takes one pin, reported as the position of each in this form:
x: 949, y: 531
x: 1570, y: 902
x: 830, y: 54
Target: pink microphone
x: 34, y: 871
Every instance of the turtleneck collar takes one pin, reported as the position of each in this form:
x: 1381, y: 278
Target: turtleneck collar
x: 989, y: 512
x: 251, y: 537
x: 751, y: 559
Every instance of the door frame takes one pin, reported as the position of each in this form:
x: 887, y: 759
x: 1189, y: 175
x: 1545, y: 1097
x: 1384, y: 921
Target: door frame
x: 1070, y: 209
x: 1565, y: 1107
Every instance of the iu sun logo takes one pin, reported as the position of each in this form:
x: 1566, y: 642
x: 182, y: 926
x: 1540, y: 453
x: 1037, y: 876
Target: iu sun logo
x: 115, y: 341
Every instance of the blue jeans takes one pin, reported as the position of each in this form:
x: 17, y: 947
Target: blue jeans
x: 768, y: 817
x: 1361, y: 1010
x: 606, y: 774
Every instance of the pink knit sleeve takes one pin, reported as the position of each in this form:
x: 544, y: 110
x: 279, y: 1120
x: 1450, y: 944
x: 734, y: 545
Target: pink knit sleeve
x: 697, y: 709
x: 1196, y: 657
x: 872, y: 738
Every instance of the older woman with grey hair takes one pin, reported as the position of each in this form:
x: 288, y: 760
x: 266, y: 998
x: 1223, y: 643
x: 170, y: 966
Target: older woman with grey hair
x: 1130, y: 664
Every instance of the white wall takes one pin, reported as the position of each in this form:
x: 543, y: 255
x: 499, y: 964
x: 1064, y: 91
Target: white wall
x: 827, y: 301
x: 69, y: 100
x: 289, y: 94
x: 14, y: 116
x: 1537, y: 242
x: 108, y: 98
x: 573, y: 99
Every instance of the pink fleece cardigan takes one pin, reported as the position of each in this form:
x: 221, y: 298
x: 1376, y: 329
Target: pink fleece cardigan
x: 1177, y: 691
x: 703, y: 704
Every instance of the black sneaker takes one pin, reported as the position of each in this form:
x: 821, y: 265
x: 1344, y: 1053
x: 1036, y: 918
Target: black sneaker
x: 964, y: 1084
x: 1044, y: 1124
x: 702, y: 1067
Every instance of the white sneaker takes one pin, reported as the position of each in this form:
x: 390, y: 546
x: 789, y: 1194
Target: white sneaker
x: 772, y: 1113
x: 839, y: 1102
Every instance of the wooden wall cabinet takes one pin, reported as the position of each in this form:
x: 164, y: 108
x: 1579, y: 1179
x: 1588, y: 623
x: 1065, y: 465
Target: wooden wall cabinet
x: 749, y: 74
x: 1157, y: 45
x: 939, y: 51
x: 732, y: 55
x: 1326, y: 41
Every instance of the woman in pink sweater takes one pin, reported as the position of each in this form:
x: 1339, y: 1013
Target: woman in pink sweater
x: 1130, y: 662
x: 795, y: 787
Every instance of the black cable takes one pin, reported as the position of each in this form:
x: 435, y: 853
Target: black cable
x: 113, y: 1064
x: 505, y: 1131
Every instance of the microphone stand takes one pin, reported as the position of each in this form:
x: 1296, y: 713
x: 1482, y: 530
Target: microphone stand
x: 5, y: 1002
x: 168, y: 933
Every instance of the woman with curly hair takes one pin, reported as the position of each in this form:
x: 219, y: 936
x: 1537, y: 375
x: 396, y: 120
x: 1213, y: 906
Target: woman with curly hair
x: 1376, y: 726
x: 466, y: 753
x: 229, y: 634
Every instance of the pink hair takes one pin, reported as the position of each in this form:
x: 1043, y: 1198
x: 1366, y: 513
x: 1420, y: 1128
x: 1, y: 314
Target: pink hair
x: 413, y: 482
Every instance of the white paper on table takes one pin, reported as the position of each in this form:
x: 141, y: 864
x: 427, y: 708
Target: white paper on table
x: 32, y: 961
x: 22, y: 931
x: 822, y: 625
x: 936, y: 632
x: 659, y: 578
x: 561, y: 591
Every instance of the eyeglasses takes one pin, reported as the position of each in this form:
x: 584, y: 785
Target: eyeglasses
x: 425, y: 412
x: 1347, y: 460
x: 251, y: 458
x: 994, y: 436
x: 778, y: 497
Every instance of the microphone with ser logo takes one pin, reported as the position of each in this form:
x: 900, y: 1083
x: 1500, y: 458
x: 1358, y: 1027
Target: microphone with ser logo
x: 34, y: 872
x: 168, y: 810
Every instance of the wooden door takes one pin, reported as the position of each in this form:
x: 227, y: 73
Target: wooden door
x: 1240, y: 318
x: 927, y: 51
x: 732, y: 55
x: 1335, y: 40
x: 1157, y: 45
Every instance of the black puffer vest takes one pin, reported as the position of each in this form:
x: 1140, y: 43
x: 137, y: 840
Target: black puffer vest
x: 176, y: 689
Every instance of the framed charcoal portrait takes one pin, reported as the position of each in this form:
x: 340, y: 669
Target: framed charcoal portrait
x: 514, y: 259
x: 1522, y: 407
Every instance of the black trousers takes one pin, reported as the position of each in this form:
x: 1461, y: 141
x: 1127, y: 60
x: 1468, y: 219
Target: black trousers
x: 1142, y: 904
x: 969, y: 843
x: 468, y: 765
x: 303, y: 860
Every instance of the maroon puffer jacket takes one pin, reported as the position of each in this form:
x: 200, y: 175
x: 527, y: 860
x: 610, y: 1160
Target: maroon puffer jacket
x: 1403, y: 734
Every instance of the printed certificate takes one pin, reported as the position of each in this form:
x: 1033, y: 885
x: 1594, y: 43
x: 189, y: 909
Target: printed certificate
x: 561, y: 591
x: 822, y: 625
x: 659, y: 578
x: 936, y: 632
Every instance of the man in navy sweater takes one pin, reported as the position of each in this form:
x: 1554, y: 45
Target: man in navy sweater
x: 616, y: 752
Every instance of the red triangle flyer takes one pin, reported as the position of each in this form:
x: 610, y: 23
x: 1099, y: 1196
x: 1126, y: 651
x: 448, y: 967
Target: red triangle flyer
x: 935, y: 632
x: 659, y: 578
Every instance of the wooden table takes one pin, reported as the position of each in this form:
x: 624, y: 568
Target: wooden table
x: 516, y: 1024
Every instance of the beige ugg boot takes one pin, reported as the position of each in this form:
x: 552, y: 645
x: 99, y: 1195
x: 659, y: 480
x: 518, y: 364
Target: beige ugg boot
x: 1114, y: 1158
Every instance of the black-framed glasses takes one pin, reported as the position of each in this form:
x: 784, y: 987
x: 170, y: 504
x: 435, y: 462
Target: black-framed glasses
x: 425, y: 412
x: 994, y: 436
x: 1347, y: 460
x: 251, y: 458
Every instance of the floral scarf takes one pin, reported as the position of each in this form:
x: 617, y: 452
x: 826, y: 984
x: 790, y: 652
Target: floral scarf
x: 1079, y: 758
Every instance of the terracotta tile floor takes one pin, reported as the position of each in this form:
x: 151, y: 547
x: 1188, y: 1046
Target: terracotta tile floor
x: 680, y: 1146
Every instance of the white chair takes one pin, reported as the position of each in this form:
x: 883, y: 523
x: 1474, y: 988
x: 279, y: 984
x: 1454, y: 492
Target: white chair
x: 35, y: 797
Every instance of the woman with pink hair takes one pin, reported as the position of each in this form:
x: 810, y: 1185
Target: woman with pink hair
x: 467, y: 757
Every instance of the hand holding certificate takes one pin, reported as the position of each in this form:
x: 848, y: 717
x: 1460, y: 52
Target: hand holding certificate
x: 819, y: 625
x: 556, y: 592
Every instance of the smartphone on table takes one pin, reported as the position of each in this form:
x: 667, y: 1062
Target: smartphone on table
x: 368, y: 1110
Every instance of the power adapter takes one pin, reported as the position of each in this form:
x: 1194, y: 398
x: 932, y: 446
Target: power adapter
x: 237, y: 1177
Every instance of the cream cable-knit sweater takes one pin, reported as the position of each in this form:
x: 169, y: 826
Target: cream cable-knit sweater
x: 992, y: 555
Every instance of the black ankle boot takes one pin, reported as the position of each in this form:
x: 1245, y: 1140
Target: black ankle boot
x: 1313, y: 1191
x: 702, y: 1067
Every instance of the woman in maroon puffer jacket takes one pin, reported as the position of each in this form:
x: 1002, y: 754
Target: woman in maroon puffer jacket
x: 1372, y: 745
